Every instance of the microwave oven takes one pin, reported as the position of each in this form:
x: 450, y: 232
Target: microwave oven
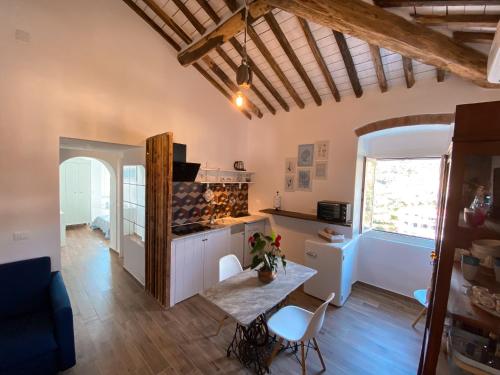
x: 334, y: 212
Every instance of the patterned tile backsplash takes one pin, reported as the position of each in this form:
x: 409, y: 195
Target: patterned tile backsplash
x: 189, y: 206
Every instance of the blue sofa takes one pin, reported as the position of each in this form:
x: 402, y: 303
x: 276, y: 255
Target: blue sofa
x: 36, y: 320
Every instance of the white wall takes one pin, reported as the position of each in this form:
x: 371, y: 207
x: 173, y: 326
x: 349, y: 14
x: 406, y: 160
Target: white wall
x: 92, y: 69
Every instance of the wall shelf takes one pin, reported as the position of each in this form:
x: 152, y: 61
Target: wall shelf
x: 224, y: 176
x: 300, y: 216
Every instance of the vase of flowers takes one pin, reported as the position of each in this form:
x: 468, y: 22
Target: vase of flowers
x: 267, y: 254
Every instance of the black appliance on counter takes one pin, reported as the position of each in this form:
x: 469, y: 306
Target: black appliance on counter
x: 334, y: 212
x: 183, y: 171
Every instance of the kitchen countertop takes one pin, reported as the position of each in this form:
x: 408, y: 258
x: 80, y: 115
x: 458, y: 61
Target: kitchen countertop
x: 223, y: 223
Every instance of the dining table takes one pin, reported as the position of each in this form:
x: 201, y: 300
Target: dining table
x: 249, y: 301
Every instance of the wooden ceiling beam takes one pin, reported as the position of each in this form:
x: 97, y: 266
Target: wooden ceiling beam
x: 379, y: 67
x: 420, y: 3
x: 473, y: 37
x: 349, y: 63
x: 440, y: 75
x: 201, y: 29
x: 388, y: 30
x: 408, y: 71
x: 224, y: 31
x: 211, y: 64
x: 459, y: 20
x: 283, y: 41
x: 319, y: 58
x: 209, y: 10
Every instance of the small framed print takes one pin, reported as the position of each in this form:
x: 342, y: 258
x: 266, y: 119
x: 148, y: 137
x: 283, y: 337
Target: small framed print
x: 304, y: 179
x: 289, y: 183
x: 322, y: 149
x: 290, y: 165
x: 306, y: 156
x: 321, y: 170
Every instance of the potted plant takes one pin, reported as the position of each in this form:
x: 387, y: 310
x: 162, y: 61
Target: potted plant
x: 266, y: 253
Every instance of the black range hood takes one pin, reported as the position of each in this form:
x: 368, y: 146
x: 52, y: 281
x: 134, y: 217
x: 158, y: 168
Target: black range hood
x: 183, y: 171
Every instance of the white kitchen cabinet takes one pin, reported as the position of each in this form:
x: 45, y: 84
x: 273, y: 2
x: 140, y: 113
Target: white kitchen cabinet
x: 238, y: 244
x: 195, y: 263
x: 250, y: 230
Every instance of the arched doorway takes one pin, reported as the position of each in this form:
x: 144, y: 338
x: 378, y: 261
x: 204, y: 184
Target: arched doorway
x: 88, y: 193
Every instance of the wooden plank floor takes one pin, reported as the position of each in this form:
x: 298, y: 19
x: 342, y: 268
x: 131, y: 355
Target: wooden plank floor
x: 119, y: 329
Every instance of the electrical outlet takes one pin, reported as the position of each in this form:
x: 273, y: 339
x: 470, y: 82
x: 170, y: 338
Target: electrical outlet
x: 20, y: 236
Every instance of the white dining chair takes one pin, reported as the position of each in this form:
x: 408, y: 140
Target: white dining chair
x: 229, y: 265
x: 421, y: 296
x: 297, y: 325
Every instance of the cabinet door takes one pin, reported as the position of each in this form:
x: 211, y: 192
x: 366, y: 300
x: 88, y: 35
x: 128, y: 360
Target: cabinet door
x: 188, y: 267
x: 238, y: 245
x: 217, y: 245
x: 250, y: 229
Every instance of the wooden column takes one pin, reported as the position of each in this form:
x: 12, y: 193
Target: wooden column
x: 159, y: 157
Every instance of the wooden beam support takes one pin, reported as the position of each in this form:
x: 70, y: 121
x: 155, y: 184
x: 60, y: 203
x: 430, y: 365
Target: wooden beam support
x: 224, y: 31
x: 473, y: 37
x: 283, y: 41
x: 319, y: 58
x: 230, y: 84
x: 379, y: 67
x: 420, y: 3
x: 275, y: 67
x: 440, y: 75
x: 459, y: 20
x: 349, y: 63
x: 388, y: 30
x: 168, y: 21
x: 408, y: 70
x: 177, y: 47
x: 201, y: 29
x: 209, y: 10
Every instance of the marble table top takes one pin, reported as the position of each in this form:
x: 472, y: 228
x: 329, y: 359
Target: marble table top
x: 244, y: 298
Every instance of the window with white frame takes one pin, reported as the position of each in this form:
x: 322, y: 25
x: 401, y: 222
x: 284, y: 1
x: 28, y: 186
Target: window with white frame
x: 134, y: 201
x: 400, y: 196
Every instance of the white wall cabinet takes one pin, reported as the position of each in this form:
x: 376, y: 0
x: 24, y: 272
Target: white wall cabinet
x: 195, y: 263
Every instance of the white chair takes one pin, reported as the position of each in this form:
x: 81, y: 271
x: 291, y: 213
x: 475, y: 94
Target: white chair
x: 297, y: 325
x: 421, y: 296
x: 229, y: 265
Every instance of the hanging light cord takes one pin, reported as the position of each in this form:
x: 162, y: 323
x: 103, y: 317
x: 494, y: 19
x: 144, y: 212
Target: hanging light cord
x: 246, y: 30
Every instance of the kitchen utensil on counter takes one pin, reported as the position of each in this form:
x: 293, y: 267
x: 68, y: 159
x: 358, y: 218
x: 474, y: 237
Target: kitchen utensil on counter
x: 486, y: 251
x: 470, y: 267
x: 239, y: 165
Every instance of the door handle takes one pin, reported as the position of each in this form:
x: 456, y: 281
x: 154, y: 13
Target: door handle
x: 311, y: 254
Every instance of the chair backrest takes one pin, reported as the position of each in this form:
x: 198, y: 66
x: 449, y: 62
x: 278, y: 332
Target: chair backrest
x: 317, y: 319
x: 229, y: 265
x: 24, y: 286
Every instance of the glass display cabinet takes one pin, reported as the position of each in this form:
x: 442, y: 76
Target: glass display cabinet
x: 463, y: 317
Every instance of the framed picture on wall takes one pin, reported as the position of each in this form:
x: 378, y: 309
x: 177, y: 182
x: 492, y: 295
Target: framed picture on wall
x: 290, y: 165
x: 306, y: 155
x: 304, y: 179
x: 289, y: 183
x: 321, y: 170
x: 322, y: 149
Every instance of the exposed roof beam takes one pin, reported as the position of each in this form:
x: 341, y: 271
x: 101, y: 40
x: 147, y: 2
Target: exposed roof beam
x: 209, y: 10
x: 388, y: 30
x: 440, y: 75
x: 473, y: 37
x: 224, y: 31
x: 379, y: 67
x: 201, y: 29
x: 275, y: 67
x: 319, y: 58
x: 177, y: 47
x: 418, y: 3
x: 283, y: 41
x: 461, y: 20
x: 211, y: 64
x: 408, y: 70
x: 349, y: 63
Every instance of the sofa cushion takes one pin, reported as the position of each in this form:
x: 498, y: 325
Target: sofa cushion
x: 24, y: 286
x: 25, y: 338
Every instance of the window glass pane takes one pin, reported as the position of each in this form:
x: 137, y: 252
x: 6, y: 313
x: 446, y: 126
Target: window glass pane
x: 141, y: 195
x: 140, y: 216
x: 134, y: 200
x: 141, y: 175
x: 133, y: 194
x: 401, y: 196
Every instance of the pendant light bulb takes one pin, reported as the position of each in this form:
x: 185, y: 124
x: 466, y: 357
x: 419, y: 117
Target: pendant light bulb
x: 239, y: 100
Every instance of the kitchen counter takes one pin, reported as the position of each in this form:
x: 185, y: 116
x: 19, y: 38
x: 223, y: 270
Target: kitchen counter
x: 223, y: 223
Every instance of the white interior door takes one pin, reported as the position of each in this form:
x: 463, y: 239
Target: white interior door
x: 75, y: 188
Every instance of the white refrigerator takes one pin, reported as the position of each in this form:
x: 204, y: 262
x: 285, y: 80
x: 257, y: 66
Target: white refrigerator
x: 335, y: 263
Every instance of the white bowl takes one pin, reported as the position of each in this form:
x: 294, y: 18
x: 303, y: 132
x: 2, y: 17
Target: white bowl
x: 486, y: 250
